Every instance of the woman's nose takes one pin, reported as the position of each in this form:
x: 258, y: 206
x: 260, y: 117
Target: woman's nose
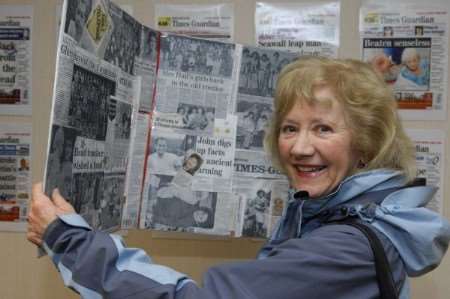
x: 303, y: 145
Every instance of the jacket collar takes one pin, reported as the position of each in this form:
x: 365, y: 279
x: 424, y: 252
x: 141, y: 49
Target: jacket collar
x: 348, y: 189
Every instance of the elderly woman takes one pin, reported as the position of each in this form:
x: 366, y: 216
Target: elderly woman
x: 336, y: 134
x: 415, y: 72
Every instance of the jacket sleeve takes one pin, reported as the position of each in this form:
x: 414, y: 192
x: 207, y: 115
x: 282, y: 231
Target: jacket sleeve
x: 332, y: 262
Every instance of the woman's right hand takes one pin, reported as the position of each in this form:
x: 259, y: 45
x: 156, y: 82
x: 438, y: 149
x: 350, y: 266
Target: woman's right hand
x: 43, y: 211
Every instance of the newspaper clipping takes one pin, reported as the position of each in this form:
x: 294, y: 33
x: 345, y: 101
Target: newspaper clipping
x: 15, y: 175
x: 15, y: 59
x: 430, y: 159
x: 209, y: 21
x: 135, y: 171
x: 185, y: 174
x: 92, y: 109
x: 262, y: 203
x: 257, y: 78
x: 305, y: 28
x: 408, y: 45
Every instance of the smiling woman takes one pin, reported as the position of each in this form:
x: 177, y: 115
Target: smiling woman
x: 335, y: 132
x: 360, y: 103
x: 315, y: 145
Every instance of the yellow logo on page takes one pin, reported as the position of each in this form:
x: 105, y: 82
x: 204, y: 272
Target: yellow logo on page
x: 98, y: 24
x: 164, y: 21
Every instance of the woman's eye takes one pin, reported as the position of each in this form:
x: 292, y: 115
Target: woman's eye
x: 322, y: 129
x: 288, y: 129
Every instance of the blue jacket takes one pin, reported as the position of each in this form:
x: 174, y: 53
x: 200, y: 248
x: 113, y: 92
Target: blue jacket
x: 303, y: 259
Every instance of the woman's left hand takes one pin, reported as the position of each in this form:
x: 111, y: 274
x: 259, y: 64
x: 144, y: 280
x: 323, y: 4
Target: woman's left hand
x: 43, y: 211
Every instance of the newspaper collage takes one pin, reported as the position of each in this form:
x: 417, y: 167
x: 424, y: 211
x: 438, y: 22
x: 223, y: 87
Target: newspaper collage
x: 15, y: 175
x: 408, y: 44
x: 161, y: 131
x: 15, y: 59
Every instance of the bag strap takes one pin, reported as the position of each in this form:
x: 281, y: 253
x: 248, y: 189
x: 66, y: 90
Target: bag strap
x: 384, y: 275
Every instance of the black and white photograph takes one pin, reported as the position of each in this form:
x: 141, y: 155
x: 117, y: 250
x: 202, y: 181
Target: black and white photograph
x: 76, y: 18
x: 88, y: 103
x: 198, y: 56
x: 259, y: 70
x: 166, y: 154
x: 256, y: 215
x: 120, y: 113
x: 124, y: 44
x: 60, y: 160
x: 87, y: 195
x: 196, y: 118
x: 171, y: 206
x: 98, y: 197
x: 149, y: 45
x: 111, y: 202
x: 253, y: 119
x: 192, y: 162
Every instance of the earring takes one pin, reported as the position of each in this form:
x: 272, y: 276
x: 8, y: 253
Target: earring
x: 361, y: 164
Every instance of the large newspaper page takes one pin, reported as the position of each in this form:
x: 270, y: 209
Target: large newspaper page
x: 306, y: 28
x: 430, y: 158
x: 95, y: 89
x: 191, y: 152
x: 260, y: 189
x: 15, y: 175
x: 210, y: 21
x: 15, y: 59
x: 408, y: 44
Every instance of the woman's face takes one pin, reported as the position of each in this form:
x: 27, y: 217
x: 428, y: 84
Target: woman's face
x: 413, y: 63
x: 315, y: 146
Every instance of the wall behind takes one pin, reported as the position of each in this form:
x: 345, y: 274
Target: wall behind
x: 23, y: 276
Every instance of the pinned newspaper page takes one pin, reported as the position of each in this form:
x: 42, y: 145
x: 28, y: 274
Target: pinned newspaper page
x: 209, y: 21
x: 15, y: 175
x: 408, y: 44
x: 183, y: 175
x: 306, y: 28
x: 430, y: 159
x: 261, y: 205
x: 15, y: 59
x: 258, y: 74
x: 93, y: 100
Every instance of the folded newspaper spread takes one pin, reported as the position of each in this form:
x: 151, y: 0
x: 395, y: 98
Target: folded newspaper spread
x: 161, y: 131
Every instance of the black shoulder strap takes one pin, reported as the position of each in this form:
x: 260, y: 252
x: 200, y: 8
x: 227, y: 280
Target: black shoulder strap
x: 384, y: 275
x: 383, y: 270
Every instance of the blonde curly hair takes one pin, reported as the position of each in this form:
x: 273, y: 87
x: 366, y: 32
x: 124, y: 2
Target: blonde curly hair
x: 370, y: 110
